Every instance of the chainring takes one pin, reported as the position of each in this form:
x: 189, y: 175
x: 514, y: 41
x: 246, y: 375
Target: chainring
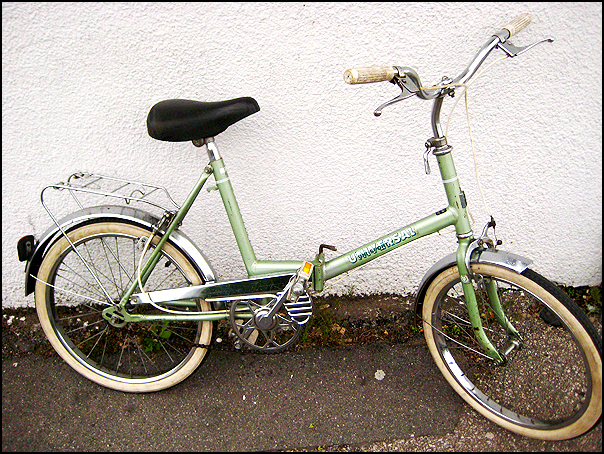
x: 255, y: 329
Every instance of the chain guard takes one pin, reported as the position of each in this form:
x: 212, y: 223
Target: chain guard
x: 250, y: 322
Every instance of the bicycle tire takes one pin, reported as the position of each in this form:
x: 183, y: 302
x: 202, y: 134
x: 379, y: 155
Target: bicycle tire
x: 549, y: 389
x: 138, y: 357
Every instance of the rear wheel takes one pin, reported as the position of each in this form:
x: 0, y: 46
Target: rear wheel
x: 549, y: 388
x: 135, y: 357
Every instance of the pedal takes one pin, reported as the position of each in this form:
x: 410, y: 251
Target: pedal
x: 297, y: 302
x: 301, y: 310
x: 298, y: 284
x: 304, y: 272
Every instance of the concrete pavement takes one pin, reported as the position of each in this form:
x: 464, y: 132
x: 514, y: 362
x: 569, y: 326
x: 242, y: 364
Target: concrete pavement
x: 376, y: 397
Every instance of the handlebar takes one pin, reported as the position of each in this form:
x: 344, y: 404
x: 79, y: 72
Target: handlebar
x: 518, y: 24
x: 402, y: 76
x: 408, y: 80
x: 369, y: 74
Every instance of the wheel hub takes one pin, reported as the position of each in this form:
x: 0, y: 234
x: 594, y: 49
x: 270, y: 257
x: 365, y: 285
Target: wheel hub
x: 113, y: 317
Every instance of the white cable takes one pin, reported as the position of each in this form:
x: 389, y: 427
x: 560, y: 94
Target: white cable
x: 465, y: 93
x: 142, y: 290
x: 486, y: 206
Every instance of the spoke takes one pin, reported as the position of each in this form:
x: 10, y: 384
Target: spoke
x: 80, y: 315
x: 99, y: 335
x: 73, y: 293
x: 463, y: 324
x: 84, y: 327
x: 172, y: 330
x: 457, y: 342
x: 117, y: 253
x: 116, y: 256
x: 468, y: 324
x: 97, y: 341
x: 140, y: 355
x: 113, y: 279
x: 91, y: 266
x: 166, y: 341
x: 173, y: 347
x: 161, y: 344
x: 168, y: 275
x: 104, y: 349
x: 90, y: 286
x: 119, y: 361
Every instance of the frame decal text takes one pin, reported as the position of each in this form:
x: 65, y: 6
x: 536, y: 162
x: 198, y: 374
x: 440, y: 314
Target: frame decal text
x: 381, y: 245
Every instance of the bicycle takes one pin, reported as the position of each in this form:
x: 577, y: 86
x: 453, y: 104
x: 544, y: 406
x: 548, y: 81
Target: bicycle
x: 490, y: 322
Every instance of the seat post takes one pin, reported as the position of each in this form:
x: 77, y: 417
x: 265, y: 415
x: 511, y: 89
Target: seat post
x: 211, y: 148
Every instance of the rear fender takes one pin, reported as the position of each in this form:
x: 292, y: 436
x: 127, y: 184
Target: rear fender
x: 112, y: 213
x: 505, y: 259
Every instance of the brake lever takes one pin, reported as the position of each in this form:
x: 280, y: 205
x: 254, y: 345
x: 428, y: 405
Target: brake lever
x: 377, y: 112
x: 407, y: 91
x: 513, y: 51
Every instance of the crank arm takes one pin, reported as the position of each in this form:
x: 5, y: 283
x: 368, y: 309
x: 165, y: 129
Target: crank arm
x: 294, y: 288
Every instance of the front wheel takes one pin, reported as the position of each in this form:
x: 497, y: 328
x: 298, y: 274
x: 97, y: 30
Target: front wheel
x: 73, y: 288
x: 551, y: 386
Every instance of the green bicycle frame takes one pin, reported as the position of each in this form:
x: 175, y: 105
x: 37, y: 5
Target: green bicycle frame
x: 454, y: 214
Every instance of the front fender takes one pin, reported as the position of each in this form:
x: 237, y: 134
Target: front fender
x: 505, y: 259
x: 112, y: 213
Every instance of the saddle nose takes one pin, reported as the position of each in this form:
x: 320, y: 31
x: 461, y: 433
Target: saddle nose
x: 180, y: 120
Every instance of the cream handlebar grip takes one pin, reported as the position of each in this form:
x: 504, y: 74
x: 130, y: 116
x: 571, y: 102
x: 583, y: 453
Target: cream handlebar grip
x: 518, y: 24
x: 368, y: 74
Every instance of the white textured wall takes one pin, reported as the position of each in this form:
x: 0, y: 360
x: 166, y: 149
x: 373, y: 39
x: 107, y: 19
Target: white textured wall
x: 78, y: 80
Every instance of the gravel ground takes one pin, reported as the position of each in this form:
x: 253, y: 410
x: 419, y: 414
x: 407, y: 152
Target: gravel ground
x: 350, y: 321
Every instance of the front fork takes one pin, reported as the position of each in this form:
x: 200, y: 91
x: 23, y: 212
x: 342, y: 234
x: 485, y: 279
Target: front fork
x: 457, y: 200
x: 490, y: 286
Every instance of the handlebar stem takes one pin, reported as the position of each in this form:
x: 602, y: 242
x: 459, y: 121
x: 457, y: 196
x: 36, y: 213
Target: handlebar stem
x: 436, y: 127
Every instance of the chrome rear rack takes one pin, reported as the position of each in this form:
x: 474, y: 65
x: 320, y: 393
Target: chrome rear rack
x: 89, y: 189
x: 128, y: 190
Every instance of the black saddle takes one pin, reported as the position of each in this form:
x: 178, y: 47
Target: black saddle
x: 179, y: 120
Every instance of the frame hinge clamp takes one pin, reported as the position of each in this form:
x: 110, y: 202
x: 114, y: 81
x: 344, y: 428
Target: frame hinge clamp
x: 319, y: 266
